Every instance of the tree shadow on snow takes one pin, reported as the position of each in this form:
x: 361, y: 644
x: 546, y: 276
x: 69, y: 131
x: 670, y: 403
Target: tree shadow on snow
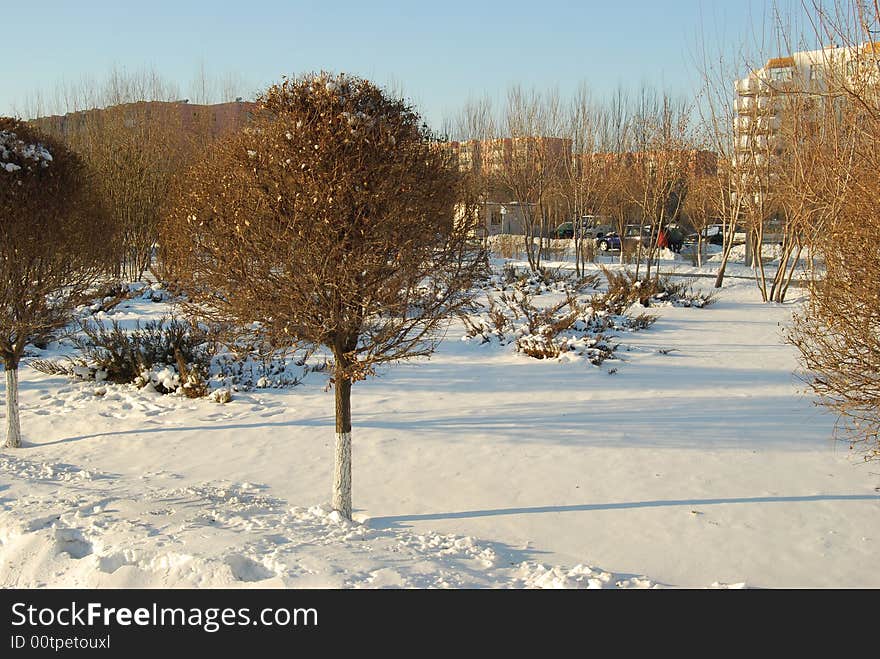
x: 390, y: 522
x: 318, y: 422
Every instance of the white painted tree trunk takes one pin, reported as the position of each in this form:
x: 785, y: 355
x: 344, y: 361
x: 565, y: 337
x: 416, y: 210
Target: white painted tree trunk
x: 341, y: 501
x: 342, y: 475
x: 13, y: 424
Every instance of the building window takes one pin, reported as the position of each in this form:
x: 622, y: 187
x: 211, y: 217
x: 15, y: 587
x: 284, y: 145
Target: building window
x: 783, y: 74
x: 852, y: 68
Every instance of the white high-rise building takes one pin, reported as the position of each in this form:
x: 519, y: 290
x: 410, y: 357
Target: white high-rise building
x: 803, y: 80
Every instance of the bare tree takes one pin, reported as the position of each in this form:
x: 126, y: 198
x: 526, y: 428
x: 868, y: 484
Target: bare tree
x: 53, y: 245
x: 203, y: 86
x: 587, y: 179
x: 617, y: 179
x: 701, y: 208
x: 660, y: 166
x: 330, y: 220
x: 719, y: 112
x: 529, y: 161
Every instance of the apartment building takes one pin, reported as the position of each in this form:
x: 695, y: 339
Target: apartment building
x: 493, y: 156
x: 690, y: 162
x: 802, y: 82
x: 216, y: 120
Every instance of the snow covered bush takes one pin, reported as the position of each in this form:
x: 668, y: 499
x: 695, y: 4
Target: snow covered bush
x: 680, y: 294
x: 625, y: 289
x: 545, y: 280
x: 254, y: 359
x: 568, y: 326
x: 166, y: 354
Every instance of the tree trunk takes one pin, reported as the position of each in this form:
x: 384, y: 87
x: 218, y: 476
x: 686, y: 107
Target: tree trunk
x: 342, y: 464
x: 13, y: 423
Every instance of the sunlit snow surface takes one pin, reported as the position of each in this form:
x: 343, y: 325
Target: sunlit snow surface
x: 697, y: 463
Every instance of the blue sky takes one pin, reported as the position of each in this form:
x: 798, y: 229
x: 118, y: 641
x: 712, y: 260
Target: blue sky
x: 438, y: 53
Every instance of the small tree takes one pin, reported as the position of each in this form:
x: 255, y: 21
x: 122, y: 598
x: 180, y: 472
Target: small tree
x: 700, y: 207
x: 659, y: 168
x: 529, y: 164
x: 329, y: 220
x: 53, y: 245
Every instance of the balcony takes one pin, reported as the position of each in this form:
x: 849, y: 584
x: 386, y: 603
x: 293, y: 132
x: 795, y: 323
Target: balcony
x: 757, y: 143
x: 757, y: 125
x: 768, y: 124
x: 749, y: 105
x: 751, y: 86
x: 745, y: 87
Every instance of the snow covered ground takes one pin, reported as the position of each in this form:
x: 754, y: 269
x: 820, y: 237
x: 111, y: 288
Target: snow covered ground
x: 698, y: 462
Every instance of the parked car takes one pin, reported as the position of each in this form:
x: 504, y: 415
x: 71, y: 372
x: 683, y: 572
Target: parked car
x: 598, y: 231
x: 713, y: 234
x: 564, y: 230
x: 591, y: 226
x: 633, y: 232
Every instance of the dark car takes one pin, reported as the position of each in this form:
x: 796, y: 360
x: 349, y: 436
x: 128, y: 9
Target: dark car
x: 611, y: 241
x: 564, y: 230
x: 712, y: 234
x: 598, y: 231
x: 591, y: 226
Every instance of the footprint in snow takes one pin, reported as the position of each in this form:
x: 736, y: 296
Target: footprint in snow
x: 246, y: 569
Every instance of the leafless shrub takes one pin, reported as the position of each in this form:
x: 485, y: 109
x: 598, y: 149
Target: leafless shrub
x: 51, y: 367
x: 500, y: 321
x: 625, y: 289
x: 538, y: 346
x: 120, y: 356
x: 642, y: 321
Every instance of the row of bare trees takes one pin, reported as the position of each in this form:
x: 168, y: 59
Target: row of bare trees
x: 628, y: 160
x: 121, y: 85
x: 135, y: 148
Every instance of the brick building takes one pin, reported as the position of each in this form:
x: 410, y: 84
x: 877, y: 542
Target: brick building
x: 217, y: 119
